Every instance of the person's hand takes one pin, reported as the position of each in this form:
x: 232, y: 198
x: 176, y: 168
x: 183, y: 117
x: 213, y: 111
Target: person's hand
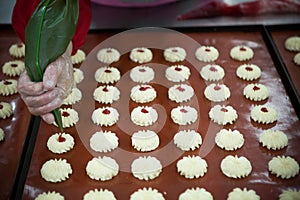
x: 43, y: 97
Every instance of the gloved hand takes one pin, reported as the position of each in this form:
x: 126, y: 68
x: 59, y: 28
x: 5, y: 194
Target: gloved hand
x: 43, y: 97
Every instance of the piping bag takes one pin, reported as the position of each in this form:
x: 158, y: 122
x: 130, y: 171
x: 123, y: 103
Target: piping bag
x: 47, y: 36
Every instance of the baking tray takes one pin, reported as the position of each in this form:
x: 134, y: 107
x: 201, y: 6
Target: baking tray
x: 16, y: 127
x: 278, y: 34
x: 170, y: 183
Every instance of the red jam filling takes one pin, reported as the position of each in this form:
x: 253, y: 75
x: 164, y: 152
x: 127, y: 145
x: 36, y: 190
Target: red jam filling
x: 140, y: 50
x: 105, y: 89
x: 255, y: 88
x: 7, y: 83
x: 1, y: 106
x: 178, y: 69
x: 243, y: 49
x: 224, y: 110
x: 213, y: 69
x: 107, y: 71
x: 108, y: 51
x: 183, y: 110
x: 264, y: 109
x: 13, y: 65
x: 142, y: 70
x: 144, y: 88
x: 249, y: 69
x: 65, y: 114
x: 144, y: 110
x: 20, y: 45
x: 106, y: 112
x: 181, y: 89
x: 217, y: 88
x: 174, y: 50
x: 207, y: 50
x: 61, y: 138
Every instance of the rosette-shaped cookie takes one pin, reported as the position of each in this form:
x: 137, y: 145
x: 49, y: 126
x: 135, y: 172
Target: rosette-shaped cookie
x: 177, y: 73
x: 292, y: 43
x: 147, y: 193
x: 180, y: 93
x: 50, y: 196
x: 196, y: 193
x: 106, y: 116
x: 256, y: 92
x: 184, y: 115
x: 145, y: 140
x: 142, y: 74
x: 241, y: 53
x: 236, y: 167
x: 143, y: 93
x: 73, y: 98
x: 191, y: 167
x: 174, y: 54
x: 5, y: 110
x: 212, y: 72
x: 106, y: 94
x: 284, y: 167
x: 144, y: 115
x: 108, y: 55
x: 102, y: 168
x: 99, y: 194
x: 146, y: 168
x: 223, y: 115
x: 238, y: 194
x: 140, y: 55
x: 187, y: 140
x: 107, y: 75
x: 13, y: 68
x: 17, y: 50
x: 8, y: 87
x: 248, y: 72
x: 78, y: 57
x: 217, y: 92
x: 60, y: 143
x: 273, y: 139
x: 56, y: 170
x: 104, y: 141
x: 207, y: 53
x: 229, y: 140
x: 264, y: 114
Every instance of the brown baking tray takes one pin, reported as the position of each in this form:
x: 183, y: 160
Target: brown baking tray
x: 278, y: 34
x: 170, y: 183
x: 15, y: 127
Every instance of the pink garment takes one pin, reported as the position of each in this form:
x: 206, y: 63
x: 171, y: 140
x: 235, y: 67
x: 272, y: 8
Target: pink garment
x: 133, y: 3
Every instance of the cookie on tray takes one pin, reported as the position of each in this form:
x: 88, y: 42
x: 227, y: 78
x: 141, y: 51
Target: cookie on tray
x: 187, y: 140
x: 217, y: 92
x: 292, y: 43
x: 49, y: 196
x: 174, y: 54
x: 142, y: 93
x: 13, y: 68
x: 106, y: 94
x: 5, y: 110
x: 248, y: 72
x: 241, y: 53
x: 144, y: 115
x: 102, y: 168
x: 60, y: 143
x: 142, y: 74
x: 2, y: 135
x: 146, y: 168
x: 195, y: 193
x: 289, y: 194
x: 56, y: 170
x: 223, y: 115
x: 263, y: 114
x: 141, y: 55
x: 296, y: 59
x: 191, y: 167
x: 145, y: 140
x: 107, y: 75
x: 147, y: 193
x: 284, y: 167
x: 256, y: 92
x: 212, y: 72
x: 108, y: 55
x: 99, y: 194
x: 104, y: 141
x: 78, y: 75
x: 8, y: 87
x: 273, y: 139
x: 207, y: 54
x: 69, y: 117
x: 73, y: 98
x: 177, y: 73
x: 236, y: 167
x: 229, y: 140
x: 78, y: 57
x: 17, y: 50
x: 180, y: 93
x: 238, y: 193
x: 106, y: 116
x: 184, y: 115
